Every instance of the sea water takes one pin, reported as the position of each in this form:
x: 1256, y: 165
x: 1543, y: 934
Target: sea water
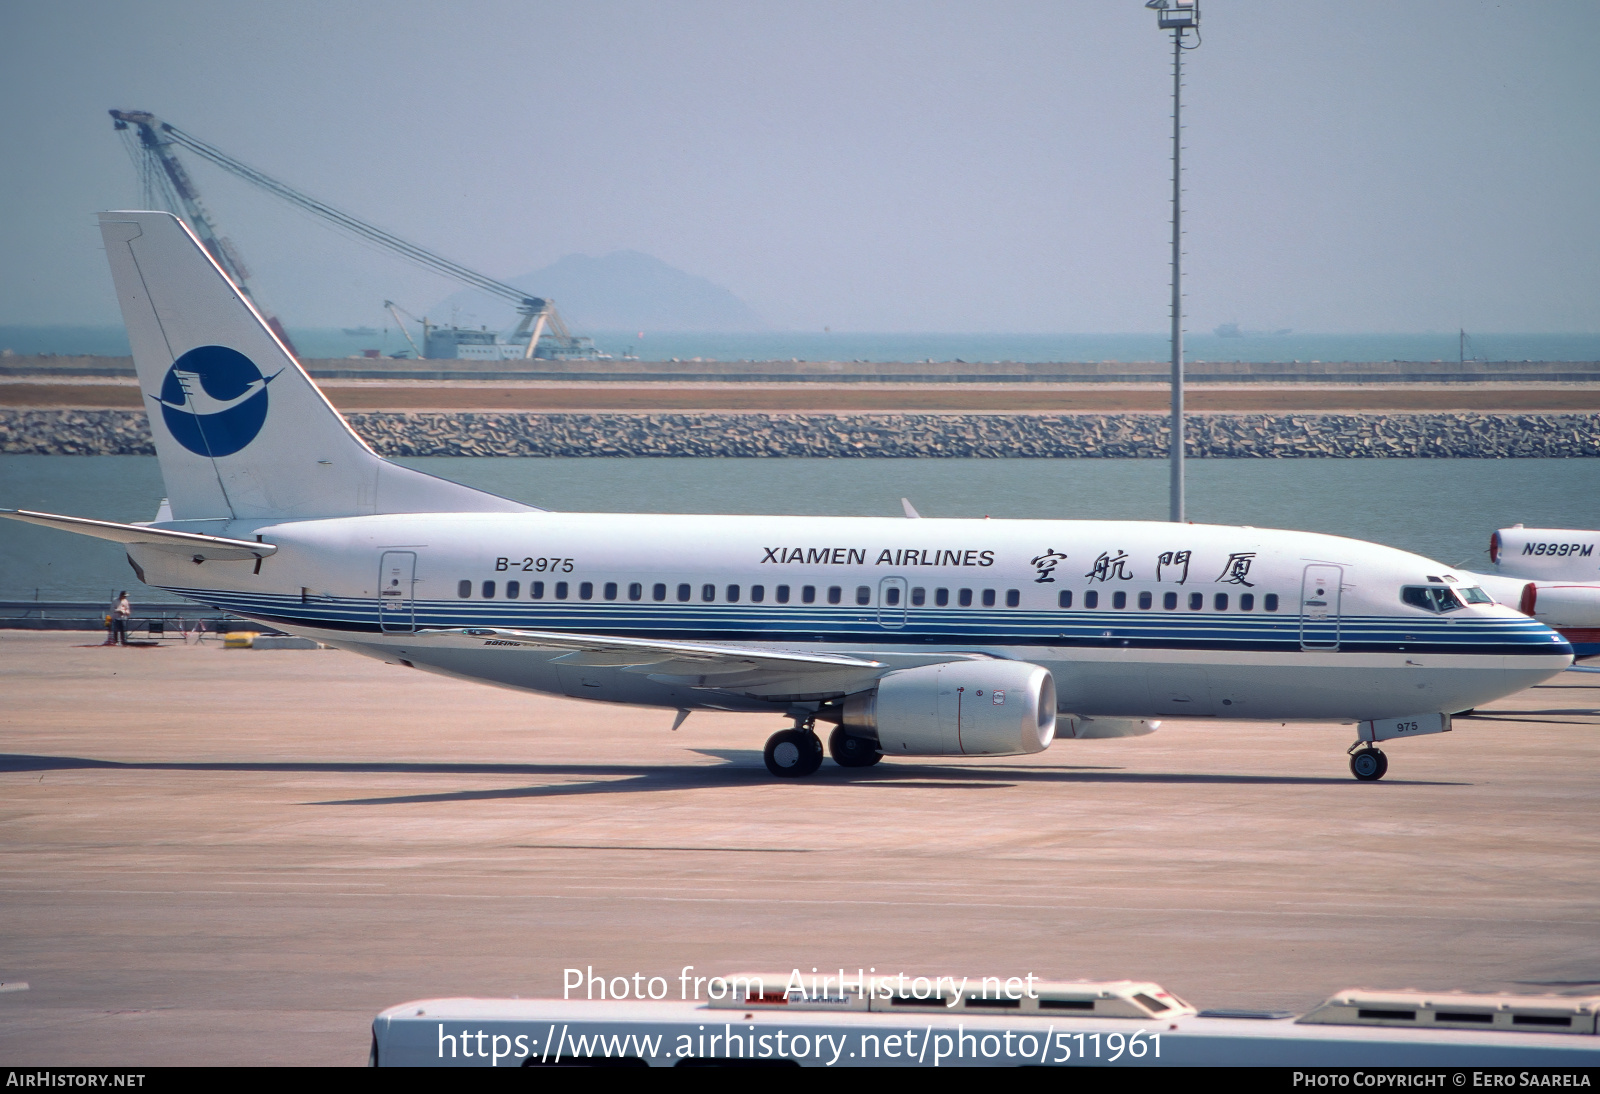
x: 845, y: 346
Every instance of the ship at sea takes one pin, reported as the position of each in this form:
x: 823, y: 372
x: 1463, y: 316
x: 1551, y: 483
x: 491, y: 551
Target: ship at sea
x: 1231, y: 330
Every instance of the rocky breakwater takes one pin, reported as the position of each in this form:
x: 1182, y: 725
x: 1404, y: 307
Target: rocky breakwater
x: 1037, y: 436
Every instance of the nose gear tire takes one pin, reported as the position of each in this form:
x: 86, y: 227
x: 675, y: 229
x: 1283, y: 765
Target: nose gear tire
x: 1369, y: 765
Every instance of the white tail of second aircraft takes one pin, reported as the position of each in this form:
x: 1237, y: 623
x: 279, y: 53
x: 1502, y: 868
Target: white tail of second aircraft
x: 240, y: 430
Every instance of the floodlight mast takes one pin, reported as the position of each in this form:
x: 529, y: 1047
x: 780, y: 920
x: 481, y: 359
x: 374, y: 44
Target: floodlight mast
x: 1177, y: 16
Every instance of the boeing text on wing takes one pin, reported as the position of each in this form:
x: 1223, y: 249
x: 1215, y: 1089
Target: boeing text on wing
x: 921, y: 637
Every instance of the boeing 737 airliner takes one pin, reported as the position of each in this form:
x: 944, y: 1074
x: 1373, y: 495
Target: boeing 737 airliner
x: 912, y: 637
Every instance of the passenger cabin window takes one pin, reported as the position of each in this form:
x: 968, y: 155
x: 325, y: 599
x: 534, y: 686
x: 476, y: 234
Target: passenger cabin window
x: 1013, y: 598
x: 1145, y: 600
x: 684, y: 592
x: 808, y: 594
x: 1197, y: 601
x: 1091, y: 599
x: 586, y: 590
x: 1270, y: 602
x: 1169, y: 601
x: 835, y: 594
x: 488, y: 590
x: 733, y: 594
x: 561, y: 590
x: 708, y: 593
x: 636, y: 591
x: 781, y: 594
x: 513, y: 589
x: 988, y: 598
x: 464, y: 589
x: 536, y: 590
x: 1064, y: 598
x: 1119, y: 599
x: 941, y: 597
x: 1431, y: 598
x: 758, y: 593
x: 864, y: 594
x: 611, y: 590
x: 964, y: 598
x: 1247, y: 602
x: 919, y: 597
x: 891, y: 596
x: 1220, y: 602
x: 658, y: 591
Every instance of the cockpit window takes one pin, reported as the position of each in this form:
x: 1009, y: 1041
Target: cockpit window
x: 1474, y: 595
x: 1431, y: 598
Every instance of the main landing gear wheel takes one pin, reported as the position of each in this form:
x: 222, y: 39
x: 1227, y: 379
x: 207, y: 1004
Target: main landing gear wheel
x: 1368, y: 764
x: 849, y: 750
x: 793, y: 753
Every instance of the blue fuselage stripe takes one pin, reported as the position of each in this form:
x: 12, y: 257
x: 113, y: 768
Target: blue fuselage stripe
x: 920, y: 626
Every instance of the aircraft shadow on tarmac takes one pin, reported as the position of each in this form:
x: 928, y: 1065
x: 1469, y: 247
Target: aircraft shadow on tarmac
x: 739, y: 767
x: 1538, y: 717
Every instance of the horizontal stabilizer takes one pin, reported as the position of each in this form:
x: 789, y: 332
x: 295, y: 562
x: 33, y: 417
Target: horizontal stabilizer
x: 189, y: 544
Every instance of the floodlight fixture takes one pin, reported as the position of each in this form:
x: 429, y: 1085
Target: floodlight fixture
x: 1178, y: 15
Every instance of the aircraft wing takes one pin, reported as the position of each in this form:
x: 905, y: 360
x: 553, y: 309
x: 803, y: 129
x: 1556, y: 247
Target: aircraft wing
x: 189, y: 544
x: 743, y: 669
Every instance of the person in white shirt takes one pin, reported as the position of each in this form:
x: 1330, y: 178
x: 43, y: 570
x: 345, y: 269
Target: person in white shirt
x: 119, y: 619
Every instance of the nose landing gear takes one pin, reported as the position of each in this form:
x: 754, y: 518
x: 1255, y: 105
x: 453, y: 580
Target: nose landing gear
x: 1367, y: 763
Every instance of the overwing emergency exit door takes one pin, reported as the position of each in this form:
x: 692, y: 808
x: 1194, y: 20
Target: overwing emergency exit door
x: 397, y: 580
x: 892, y: 602
x: 1319, y: 607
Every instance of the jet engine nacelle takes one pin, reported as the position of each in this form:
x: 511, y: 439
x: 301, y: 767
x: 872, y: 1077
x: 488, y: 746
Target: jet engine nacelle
x: 1561, y: 605
x: 1546, y: 554
x: 958, y: 708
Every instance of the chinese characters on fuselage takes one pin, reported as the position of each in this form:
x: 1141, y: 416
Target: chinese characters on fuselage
x: 1170, y: 565
x: 1046, y: 564
x: 1171, y: 559
x: 1110, y: 568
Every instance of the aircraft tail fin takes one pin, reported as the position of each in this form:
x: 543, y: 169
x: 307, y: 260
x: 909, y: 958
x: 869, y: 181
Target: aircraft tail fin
x: 240, y: 429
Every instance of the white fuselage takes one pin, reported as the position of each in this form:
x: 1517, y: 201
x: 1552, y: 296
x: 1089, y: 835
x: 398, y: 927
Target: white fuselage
x: 1133, y: 619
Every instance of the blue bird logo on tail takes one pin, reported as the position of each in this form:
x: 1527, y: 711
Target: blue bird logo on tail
x: 214, y: 400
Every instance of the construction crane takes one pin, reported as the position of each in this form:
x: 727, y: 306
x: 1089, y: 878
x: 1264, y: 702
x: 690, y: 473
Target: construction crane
x: 164, y: 177
x: 167, y: 184
x: 395, y: 309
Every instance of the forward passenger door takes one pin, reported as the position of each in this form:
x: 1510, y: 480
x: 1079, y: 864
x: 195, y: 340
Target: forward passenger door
x: 1319, y: 607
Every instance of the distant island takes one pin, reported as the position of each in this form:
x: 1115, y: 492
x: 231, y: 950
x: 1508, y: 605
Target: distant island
x: 624, y: 290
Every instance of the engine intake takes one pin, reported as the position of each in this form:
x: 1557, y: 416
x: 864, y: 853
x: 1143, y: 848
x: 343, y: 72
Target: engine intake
x: 958, y: 708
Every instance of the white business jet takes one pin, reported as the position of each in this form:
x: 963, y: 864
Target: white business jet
x: 913, y: 637
x: 1551, y: 574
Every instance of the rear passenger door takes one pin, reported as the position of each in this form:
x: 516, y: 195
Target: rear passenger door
x: 397, y: 578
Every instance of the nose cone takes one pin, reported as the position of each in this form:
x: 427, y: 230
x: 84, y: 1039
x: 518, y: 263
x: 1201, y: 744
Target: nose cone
x: 1533, y: 637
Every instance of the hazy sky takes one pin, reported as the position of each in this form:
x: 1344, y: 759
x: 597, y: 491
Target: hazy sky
x: 983, y: 166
